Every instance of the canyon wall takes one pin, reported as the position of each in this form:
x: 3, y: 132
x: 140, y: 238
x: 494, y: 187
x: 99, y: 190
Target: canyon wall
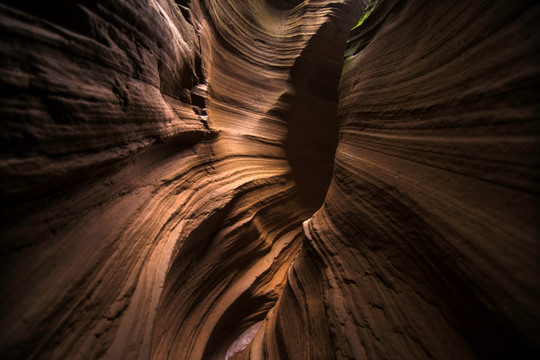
x: 255, y: 180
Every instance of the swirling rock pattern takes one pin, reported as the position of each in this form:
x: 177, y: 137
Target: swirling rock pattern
x: 427, y: 243
x: 211, y: 180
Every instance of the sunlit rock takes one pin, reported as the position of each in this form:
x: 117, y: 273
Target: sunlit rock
x: 252, y: 179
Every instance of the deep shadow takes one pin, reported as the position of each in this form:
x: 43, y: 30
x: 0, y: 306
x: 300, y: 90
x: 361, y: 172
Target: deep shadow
x: 311, y: 113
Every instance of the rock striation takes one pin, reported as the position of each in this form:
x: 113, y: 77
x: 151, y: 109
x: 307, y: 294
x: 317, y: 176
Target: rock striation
x: 252, y: 179
x: 426, y: 245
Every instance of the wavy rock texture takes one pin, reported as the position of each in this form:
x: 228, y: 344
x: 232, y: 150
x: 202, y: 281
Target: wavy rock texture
x: 171, y: 186
x: 427, y: 243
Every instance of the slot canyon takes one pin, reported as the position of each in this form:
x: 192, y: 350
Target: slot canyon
x: 270, y: 179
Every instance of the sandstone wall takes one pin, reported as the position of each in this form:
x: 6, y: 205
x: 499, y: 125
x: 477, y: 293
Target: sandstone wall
x: 252, y: 179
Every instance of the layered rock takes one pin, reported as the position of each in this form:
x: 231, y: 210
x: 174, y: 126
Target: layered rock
x: 257, y: 60
x: 427, y: 243
x: 159, y: 159
x: 160, y: 222
x: 85, y: 89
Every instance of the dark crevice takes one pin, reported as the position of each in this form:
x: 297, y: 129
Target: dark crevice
x: 311, y: 113
x: 374, y: 16
x: 183, y: 5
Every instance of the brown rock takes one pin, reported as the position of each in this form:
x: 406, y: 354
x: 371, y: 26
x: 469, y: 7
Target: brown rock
x: 209, y: 180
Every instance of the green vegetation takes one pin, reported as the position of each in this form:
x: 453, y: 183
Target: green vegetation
x: 367, y: 11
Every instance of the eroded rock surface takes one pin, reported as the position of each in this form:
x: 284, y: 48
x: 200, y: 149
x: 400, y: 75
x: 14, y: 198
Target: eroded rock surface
x: 226, y: 179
